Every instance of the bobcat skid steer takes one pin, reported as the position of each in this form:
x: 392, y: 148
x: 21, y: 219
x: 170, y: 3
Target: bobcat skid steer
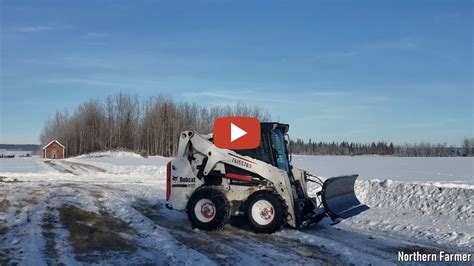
x: 213, y: 184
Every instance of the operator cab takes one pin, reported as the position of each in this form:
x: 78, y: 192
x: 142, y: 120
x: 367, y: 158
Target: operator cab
x: 273, y: 146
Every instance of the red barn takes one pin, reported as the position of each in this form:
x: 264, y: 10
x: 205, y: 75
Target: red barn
x: 53, y: 150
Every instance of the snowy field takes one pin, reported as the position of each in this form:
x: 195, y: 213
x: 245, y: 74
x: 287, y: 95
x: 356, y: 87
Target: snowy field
x: 109, y: 208
x: 453, y: 170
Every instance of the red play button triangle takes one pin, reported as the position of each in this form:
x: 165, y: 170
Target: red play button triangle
x: 236, y: 132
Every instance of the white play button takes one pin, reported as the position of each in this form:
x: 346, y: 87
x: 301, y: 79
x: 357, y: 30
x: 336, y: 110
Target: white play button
x: 236, y: 132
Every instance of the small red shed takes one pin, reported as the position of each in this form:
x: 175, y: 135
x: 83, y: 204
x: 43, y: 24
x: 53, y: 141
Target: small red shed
x: 54, y: 150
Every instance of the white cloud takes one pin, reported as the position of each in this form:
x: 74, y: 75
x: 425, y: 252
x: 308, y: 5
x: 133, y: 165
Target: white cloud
x: 325, y: 116
x: 95, y: 35
x: 28, y: 29
x: 86, y: 81
x: 336, y: 55
x: 331, y: 93
x: 90, y: 62
x: 254, y: 95
x: 401, y: 44
x: 40, y: 28
x: 432, y: 124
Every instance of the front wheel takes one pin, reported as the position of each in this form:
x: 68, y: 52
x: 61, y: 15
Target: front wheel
x: 265, y: 212
x: 208, y: 209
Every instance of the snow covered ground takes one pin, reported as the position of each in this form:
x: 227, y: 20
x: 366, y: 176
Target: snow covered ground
x: 425, y: 169
x: 109, y: 208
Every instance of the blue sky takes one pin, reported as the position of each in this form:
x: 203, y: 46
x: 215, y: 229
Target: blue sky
x: 349, y: 70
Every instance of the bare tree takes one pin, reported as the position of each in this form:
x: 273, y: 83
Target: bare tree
x: 152, y: 126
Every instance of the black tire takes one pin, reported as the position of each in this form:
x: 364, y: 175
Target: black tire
x: 208, y: 209
x: 267, y: 220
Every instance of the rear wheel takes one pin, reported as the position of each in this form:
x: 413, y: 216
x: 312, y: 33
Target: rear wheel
x: 265, y: 212
x: 208, y: 209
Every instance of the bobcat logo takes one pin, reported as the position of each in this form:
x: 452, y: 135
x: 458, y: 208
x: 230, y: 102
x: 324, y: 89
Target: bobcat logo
x: 180, y: 179
x: 187, y: 179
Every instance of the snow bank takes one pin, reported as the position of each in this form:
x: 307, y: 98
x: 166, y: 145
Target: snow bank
x: 426, y: 199
x: 120, y: 158
x: 111, y: 154
x: 418, y: 210
x: 430, y: 200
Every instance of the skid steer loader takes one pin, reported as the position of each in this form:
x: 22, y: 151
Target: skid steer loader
x: 213, y: 184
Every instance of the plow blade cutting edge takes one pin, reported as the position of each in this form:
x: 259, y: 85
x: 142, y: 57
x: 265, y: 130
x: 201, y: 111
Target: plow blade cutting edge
x: 339, y: 199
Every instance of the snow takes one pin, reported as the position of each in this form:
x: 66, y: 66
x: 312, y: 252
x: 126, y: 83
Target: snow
x: 427, y: 199
x: 16, y: 153
x: 121, y: 158
x: 414, y: 202
x: 110, y: 154
x: 22, y: 165
x: 453, y: 170
x: 417, y: 211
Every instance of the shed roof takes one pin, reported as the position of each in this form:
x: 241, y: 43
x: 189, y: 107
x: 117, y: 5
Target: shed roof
x: 45, y: 146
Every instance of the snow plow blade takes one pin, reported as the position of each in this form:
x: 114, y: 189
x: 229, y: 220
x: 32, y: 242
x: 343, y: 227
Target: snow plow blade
x: 339, y: 199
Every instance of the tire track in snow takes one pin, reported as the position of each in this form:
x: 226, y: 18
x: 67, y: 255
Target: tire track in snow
x: 59, y: 167
x: 236, y: 246
x: 74, y: 168
x: 84, y: 167
x: 365, y: 247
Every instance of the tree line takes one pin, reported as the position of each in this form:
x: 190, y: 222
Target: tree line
x: 382, y: 148
x: 151, y: 127
x: 121, y: 121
